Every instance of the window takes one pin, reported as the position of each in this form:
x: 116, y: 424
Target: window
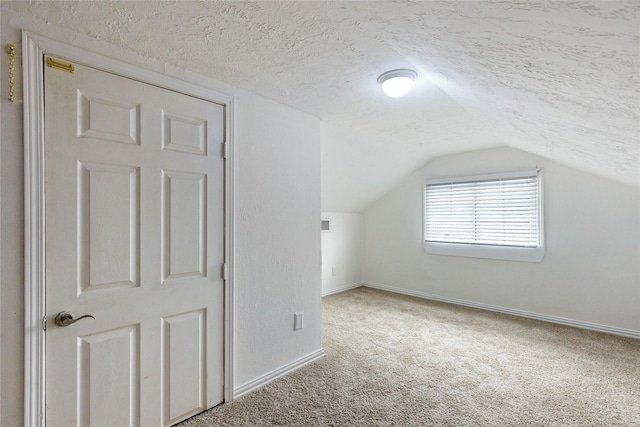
x: 488, y: 216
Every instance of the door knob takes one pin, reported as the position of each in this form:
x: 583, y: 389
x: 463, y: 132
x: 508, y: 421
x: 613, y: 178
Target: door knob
x: 66, y: 318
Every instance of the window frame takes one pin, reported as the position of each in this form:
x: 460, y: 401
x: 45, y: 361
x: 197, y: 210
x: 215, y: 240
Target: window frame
x: 510, y: 253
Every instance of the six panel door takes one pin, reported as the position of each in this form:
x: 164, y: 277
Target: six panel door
x: 134, y: 201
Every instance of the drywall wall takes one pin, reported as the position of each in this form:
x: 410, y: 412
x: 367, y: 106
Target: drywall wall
x: 2, y: 64
x: 11, y: 244
x: 277, y: 160
x: 277, y: 238
x: 590, y: 272
x: 341, y: 252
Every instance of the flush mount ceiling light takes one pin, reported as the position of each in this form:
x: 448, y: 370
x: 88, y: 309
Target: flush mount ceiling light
x: 397, y: 83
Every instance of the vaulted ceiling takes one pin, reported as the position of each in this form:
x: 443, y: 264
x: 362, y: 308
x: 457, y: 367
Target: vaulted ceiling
x: 557, y: 79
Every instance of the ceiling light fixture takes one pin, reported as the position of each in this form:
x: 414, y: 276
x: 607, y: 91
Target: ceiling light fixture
x: 397, y: 83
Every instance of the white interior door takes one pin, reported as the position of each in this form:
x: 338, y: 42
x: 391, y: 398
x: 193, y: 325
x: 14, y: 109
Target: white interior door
x: 134, y: 230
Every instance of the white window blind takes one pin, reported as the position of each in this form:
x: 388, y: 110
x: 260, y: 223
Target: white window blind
x: 497, y: 211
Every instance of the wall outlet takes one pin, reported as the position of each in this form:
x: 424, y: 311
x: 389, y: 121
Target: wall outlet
x: 334, y: 271
x: 297, y: 321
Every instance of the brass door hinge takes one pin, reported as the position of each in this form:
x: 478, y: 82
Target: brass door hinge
x: 59, y: 64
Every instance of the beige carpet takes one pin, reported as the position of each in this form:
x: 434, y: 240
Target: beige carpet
x: 394, y: 360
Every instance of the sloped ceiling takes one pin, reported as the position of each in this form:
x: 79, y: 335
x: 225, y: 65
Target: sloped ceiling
x: 557, y: 79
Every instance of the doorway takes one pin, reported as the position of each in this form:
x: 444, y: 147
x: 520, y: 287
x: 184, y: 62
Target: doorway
x: 133, y: 211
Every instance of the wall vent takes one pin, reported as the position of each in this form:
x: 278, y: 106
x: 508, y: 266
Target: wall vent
x: 325, y: 225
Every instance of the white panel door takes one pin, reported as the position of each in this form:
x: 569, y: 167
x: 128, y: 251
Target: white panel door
x: 134, y: 237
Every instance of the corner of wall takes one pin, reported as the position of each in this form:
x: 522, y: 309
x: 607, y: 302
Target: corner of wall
x: 341, y: 252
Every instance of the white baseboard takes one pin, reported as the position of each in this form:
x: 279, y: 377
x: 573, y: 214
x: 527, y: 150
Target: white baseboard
x: 342, y: 288
x: 274, y: 375
x: 544, y: 317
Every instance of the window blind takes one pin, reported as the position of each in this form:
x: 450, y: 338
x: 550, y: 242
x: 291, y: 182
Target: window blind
x: 499, y: 212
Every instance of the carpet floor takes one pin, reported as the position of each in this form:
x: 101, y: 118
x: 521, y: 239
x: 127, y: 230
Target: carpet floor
x: 395, y: 360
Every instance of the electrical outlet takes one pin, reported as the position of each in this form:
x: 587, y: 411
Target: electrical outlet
x: 297, y: 321
x: 334, y: 271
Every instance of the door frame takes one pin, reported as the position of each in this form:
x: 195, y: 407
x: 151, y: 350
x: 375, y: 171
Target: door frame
x: 34, y: 47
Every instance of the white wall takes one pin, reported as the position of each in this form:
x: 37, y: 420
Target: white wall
x: 277, y: 237
x: 341, y: 252
x: 11, y: 244
x: 591, y: 269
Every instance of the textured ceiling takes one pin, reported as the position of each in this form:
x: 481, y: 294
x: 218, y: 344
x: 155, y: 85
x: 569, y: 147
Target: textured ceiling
x: 557, y: 79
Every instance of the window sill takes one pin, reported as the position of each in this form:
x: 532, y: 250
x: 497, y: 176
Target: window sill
x: 484, y: 251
